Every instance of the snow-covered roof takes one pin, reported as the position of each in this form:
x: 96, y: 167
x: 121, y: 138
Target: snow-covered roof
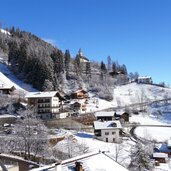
x: 5, y: 32
x: 81, y: 90
x: 4, y: 86
x: 41, y: 94
x: 7, y: 116
x: 145, y: 77
x: 120, y: 112
x: 90, y: 162
x: 107, y: 125
x: 160, y: 155
x: 97, y: 114
x: 93, y: 161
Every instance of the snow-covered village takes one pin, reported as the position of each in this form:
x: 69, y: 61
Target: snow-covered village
x: 87, y: 87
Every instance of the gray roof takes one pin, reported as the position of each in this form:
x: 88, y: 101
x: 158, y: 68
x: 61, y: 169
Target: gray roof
x: 107, y: 125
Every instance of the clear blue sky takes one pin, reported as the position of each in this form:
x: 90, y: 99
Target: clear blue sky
x: 136, y: 33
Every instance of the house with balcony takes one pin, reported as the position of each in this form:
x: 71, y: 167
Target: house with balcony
x: 79, y: 94
x: 47, y: 104
x: 107, y: 131
x: 104, y: 116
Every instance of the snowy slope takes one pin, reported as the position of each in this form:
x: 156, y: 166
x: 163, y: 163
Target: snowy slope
x: 133, y: 93
x: 129, y: 94
x: 5, y: 32
x: 9, y: 79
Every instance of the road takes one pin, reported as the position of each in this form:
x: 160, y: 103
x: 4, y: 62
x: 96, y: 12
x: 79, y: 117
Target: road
x: 142, y: 140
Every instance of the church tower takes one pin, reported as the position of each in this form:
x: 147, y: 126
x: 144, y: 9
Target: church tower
x: 80, y: 53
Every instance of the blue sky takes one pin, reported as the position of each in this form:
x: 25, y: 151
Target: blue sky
x: 136, y: 33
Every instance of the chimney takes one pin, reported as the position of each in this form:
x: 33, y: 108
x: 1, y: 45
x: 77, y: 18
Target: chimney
x: 79, y: 166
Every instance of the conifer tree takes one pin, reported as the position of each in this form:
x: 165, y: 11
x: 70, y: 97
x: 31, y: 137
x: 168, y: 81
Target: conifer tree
x: 140, y: 159
x: 103, y: 67
x: 88, y: 70
x: 67, y: 57
x: 77, y: 64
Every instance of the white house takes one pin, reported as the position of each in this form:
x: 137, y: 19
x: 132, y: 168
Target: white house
x: 145, y: 80
x: 87, y: 162
x: 47, y: 104
x: 107, y: 131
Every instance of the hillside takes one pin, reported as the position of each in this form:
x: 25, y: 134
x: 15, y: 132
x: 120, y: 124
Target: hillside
x: 134, y: 93
x: 9, y: 79
x: 46, y: 67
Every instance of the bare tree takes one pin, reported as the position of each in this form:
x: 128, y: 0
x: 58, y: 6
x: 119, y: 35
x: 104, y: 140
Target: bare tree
x: 31, y: 135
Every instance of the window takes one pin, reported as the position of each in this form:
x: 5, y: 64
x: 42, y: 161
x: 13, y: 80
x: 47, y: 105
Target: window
x: 106, y: 139
x: 113, y: 133
x: 106, y: 133
x: 113, y: 139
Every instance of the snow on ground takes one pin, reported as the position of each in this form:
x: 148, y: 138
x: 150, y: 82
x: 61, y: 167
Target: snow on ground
x: 154, y: 133
x: 8, y: 78
x: 133, y: 93
x: 159, y: 134
x: 4, y: 31
x: 163, y: 167
x: 144, y: 119
x: 86, y: 139
x: 130, y: 94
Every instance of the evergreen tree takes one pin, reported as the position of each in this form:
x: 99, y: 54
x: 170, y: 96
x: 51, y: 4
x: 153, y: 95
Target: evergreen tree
x: 140, y: 159
x: 114, y: 67
x: 12, y: 30
x: 103, y: 67
x: 103, y: 70
x: 67, y: 57
x: 58, y: 59
x: 88, y: 70
x: 77, y: 64
x: 13, y: 55
x: 22, y: 57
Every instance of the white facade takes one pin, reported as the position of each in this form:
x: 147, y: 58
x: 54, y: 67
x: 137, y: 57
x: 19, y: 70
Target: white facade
x: 47, y: 103
x: 110, y: 135
x: 107, y: 131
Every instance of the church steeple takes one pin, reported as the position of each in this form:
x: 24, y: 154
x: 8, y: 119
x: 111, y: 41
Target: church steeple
x: 80, y: 52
